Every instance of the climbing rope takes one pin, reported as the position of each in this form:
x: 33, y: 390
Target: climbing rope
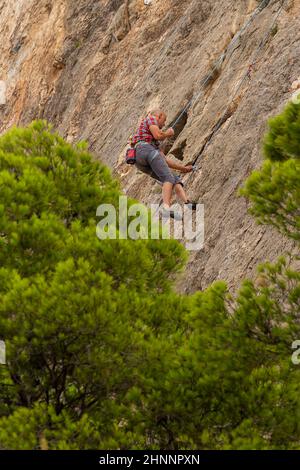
x: 246, y: 75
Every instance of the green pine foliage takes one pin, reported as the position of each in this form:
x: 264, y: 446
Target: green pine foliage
x: 274, y: 190
x: 101, y: 351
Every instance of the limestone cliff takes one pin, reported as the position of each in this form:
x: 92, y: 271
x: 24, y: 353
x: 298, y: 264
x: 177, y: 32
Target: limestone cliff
x: 94, y: 67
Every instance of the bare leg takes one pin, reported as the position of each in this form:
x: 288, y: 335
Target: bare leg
x: 180, y: 193
x: 167, y: 193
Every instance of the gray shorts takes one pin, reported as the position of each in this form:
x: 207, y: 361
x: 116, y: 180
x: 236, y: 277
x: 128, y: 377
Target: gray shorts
x: 149, y: 160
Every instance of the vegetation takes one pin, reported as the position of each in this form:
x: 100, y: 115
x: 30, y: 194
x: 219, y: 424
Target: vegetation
x: 101, y: 351
x: 274, y: 190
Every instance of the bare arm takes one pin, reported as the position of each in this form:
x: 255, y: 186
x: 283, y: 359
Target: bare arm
x: 158, y: 134
x: 174, y: 165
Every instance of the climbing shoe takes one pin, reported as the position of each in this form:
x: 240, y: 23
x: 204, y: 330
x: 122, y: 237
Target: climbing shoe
x: 191, y: 205
x: 167, y: 212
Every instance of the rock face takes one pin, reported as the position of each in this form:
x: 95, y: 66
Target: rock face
x: 95, y: 67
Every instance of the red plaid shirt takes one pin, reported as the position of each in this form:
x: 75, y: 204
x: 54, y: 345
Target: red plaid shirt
x: 143, y: 133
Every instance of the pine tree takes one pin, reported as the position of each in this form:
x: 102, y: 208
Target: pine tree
x: 101, y: 351
x: 77, y: 314
x: 274, y: 190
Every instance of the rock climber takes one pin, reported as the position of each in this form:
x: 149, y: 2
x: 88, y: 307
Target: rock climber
x: 151, y: 160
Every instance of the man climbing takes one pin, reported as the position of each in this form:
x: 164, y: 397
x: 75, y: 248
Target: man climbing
x: 151, y: 160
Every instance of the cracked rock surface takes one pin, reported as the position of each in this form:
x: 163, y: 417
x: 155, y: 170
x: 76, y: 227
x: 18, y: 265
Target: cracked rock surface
x: 94, y: 67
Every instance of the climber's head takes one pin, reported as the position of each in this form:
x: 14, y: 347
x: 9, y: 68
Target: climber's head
x: 161, y: 117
